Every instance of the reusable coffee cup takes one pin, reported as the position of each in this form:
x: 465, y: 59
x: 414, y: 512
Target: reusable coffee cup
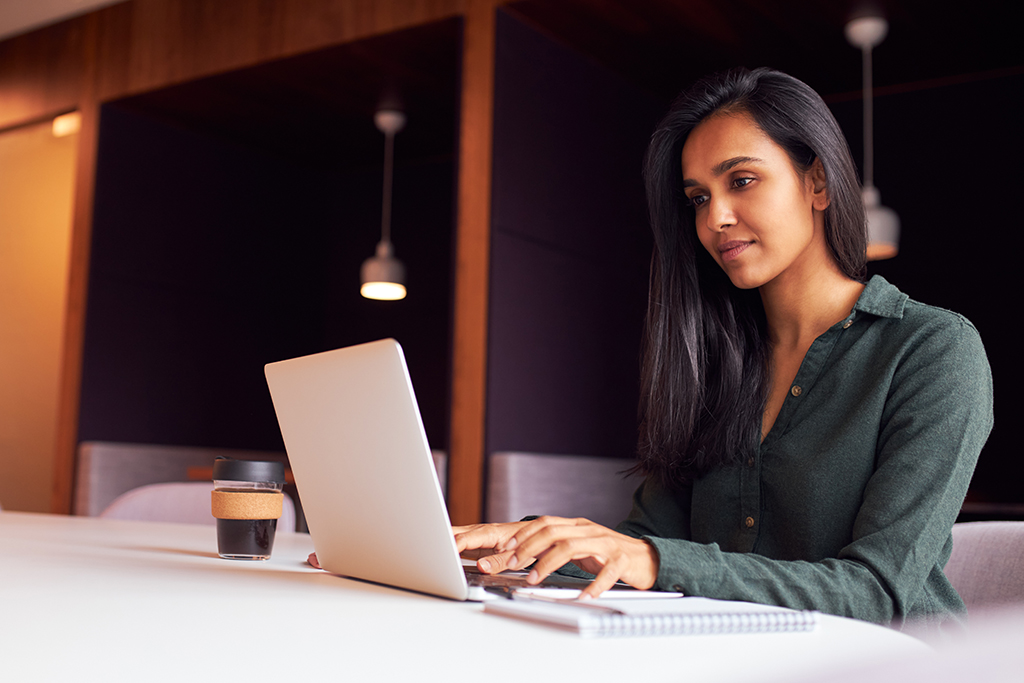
x: 247, y: 501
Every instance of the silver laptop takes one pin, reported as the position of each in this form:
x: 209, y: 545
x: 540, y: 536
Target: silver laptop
x: 364, y: 472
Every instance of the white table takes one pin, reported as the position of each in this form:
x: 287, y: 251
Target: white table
x: 91, y: 599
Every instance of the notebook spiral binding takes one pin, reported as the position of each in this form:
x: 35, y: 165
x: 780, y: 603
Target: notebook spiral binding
x: 697, y: 624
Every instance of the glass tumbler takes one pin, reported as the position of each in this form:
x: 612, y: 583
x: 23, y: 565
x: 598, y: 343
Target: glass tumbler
x: 247, y: 501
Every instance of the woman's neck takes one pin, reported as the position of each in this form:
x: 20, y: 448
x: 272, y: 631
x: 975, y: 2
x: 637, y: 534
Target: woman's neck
x: 800, y: 306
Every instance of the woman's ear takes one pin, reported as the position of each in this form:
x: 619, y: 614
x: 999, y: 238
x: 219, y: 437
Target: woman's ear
x: 819, y: 185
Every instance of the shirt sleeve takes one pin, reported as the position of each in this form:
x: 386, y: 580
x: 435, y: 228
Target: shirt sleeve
x: 937, y: 416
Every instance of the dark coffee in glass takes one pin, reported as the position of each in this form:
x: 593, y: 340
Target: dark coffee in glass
x: 245, y: 539
x: 247, y: 502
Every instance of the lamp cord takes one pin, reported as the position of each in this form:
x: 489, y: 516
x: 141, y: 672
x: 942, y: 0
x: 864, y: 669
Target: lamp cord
x: 869, y: 142
x: 389, y: 162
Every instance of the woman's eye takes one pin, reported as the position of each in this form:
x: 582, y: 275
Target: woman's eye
x: 697, y: 199
x: 742, y: 182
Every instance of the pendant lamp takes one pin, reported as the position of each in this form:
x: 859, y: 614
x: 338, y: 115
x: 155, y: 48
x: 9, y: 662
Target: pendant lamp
x: 883, y: 223
x: 382, y: 275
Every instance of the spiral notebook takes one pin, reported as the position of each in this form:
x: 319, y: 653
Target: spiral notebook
x: 670, y: 617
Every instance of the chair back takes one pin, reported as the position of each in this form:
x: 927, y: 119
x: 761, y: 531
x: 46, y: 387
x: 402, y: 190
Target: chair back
x: 986, y: 566
x: 181, y: 502
x: 521, y: 484
x: 106, y: 469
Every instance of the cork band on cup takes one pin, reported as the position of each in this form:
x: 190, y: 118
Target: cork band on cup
x: 247, y: 505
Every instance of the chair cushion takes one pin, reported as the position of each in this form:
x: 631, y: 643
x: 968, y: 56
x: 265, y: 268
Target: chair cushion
x: 521, y: 484
x: 987, y: 563
x: 181, y: 502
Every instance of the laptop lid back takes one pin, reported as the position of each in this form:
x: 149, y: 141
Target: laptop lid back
x: 363, y: 468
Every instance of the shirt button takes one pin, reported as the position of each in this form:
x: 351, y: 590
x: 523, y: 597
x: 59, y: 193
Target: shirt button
x: 750, y: 462
x: 847, y: 324
x: 749, y: 521
x: 796, y: 390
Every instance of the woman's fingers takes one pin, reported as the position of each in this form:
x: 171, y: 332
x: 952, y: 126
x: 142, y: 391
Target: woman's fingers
x: 484, y: 543
x: 499, y: 537
x: 315, y: 563
x: 530, y: 540
x: 555, y: 541
x: 479, y: 536
x: 609, y: 555
x: 494, y: 563
x: 605, y: 579
x: 539, y: 536
x: 593, y: 551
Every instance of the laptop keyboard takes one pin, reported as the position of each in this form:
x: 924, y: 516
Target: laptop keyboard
x: 518, y: 580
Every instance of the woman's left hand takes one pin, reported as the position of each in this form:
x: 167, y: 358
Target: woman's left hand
x: 596, y: 549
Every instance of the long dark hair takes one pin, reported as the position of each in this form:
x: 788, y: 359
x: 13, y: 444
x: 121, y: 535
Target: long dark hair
x: 705, y: 370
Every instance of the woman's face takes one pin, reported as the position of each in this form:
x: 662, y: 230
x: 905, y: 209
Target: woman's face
x: 756, y: 214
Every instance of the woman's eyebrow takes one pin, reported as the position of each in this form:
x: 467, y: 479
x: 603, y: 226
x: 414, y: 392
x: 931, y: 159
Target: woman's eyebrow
x: 732, y: 163
x: 723, y: 167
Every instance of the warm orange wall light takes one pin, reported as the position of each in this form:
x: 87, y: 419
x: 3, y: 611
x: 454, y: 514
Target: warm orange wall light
x: 67, y: 124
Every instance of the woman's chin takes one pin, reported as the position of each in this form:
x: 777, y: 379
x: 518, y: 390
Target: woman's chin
x: 742, y: 280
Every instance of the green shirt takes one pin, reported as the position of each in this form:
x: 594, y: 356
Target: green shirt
x: 848, y: 505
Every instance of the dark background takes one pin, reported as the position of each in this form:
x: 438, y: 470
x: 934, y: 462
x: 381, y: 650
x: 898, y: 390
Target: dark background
x: 232, y: 213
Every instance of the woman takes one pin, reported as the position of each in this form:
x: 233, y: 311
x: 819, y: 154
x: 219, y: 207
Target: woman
x: 807, y: 438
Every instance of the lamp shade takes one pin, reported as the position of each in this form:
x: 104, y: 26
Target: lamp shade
x: 883, y: 226
x: 382, y: 275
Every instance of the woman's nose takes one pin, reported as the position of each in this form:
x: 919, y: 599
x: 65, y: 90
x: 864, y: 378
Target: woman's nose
x: 719, y: 215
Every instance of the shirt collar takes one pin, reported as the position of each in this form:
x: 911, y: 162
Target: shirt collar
x: 882, y: 299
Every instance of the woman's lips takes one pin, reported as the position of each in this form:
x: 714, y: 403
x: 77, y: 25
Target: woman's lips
x: 731, y: 249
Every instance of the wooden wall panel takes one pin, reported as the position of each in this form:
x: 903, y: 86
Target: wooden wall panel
x: 74, y: 316
x: 154, y: 43
x: 472, y: 258
x: 78, y: 272
x: 147, y: 44
x: 40, y: 74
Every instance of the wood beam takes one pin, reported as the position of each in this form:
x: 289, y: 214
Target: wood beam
x: 78, y: 277
x: 41, y: 73
x: 163, y: 42
x: 472, y: 260
x: 149, y: 44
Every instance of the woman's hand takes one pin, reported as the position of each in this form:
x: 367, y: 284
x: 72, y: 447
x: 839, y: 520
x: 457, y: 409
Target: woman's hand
x: 554, y: 541
x: 485, y: 543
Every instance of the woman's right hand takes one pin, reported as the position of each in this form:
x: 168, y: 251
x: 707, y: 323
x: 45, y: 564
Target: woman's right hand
x: 485, y: 543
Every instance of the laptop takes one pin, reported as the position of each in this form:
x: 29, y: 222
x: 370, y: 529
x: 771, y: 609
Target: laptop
x: 363, y: 469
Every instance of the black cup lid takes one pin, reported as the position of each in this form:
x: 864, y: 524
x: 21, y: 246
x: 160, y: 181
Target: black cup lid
x: 229, y: 469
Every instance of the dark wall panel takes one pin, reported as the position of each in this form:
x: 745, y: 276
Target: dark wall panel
x: 570, y: 250
x: 210, y: 260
